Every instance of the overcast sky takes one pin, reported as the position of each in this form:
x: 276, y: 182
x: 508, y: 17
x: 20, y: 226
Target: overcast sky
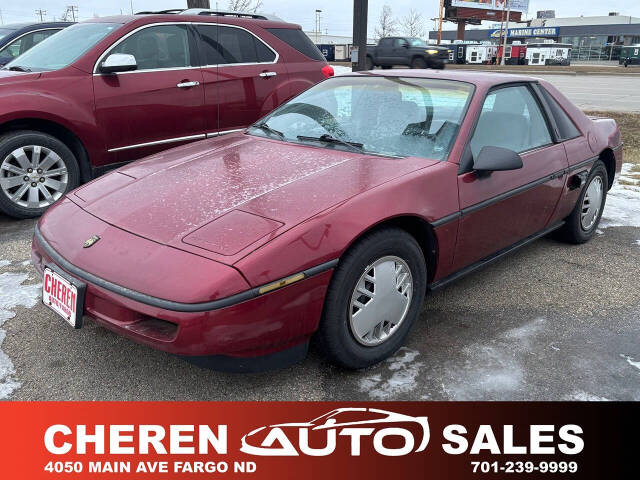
x: 336, y: 15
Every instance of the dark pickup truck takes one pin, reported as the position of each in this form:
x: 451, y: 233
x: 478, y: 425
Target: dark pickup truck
x: 413, y: 52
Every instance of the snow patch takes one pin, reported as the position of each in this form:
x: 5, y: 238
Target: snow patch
x: 400, y: 377
x: 630, y: 361
x: 623, y: 201
x: 13, y: 293
x: 580, y: 396
x: 4, y: 263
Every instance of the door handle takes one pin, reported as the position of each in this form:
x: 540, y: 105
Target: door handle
x: 188, y: 84
x: 268, y: 74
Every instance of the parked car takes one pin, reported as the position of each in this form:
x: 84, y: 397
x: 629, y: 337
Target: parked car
x: 630, y: 55
x: 114, y: 89
x: 414, y: 52
x: 17, y: 38
x: 331, y: 216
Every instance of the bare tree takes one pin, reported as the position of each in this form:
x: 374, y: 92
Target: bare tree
x: 251, y: 6
x: 413, y: 24
x: 386, y: 24
x: 198, y: 4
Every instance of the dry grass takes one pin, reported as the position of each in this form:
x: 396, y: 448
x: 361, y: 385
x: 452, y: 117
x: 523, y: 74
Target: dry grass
x: 629, y: 124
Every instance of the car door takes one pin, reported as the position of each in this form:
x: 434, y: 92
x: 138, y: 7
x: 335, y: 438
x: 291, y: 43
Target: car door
x: 502, y: 208
x: 159, y: 104
x: 400, y: 55
x: 385, y: 51
x: 250, y: 79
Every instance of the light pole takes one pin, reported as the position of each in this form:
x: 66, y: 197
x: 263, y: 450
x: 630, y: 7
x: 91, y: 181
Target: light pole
x: 360, y: 11
x: 506, y: 33
x: 318, y: 12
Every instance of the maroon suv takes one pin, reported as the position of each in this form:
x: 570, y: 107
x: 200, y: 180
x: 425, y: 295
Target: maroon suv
x: 115, y: 89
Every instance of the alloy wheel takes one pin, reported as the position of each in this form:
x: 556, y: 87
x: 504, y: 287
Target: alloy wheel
x: 33, y: 176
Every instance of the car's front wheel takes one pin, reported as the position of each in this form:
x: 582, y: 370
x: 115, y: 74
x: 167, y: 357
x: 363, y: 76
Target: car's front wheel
x: 418, y: 62
x: 36, y: 169
x: 375, y: 296
x: 583, y: 222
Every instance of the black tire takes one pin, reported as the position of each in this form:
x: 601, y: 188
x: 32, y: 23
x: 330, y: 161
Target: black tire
x: 334, y: 336
x: 573, y: 231
x: 369, y: 63
x: 418, y: 62
x: 25, y: 138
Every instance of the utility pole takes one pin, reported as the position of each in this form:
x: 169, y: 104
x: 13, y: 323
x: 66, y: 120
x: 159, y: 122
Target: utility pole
x: 506, y: 33
x: 360, y: 11
x: 501, y: 32
x: 41, y: 13
x: 441, y: 14
x: 317, y: 29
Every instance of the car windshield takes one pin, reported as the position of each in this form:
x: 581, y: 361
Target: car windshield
x: 390, y: 116
x: 417, y: 42
x: 63, y: 48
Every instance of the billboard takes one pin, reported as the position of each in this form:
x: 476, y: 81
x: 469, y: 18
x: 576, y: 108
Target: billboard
x: 516, y: 5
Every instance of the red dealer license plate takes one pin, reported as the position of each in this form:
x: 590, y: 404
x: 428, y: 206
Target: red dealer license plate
x: 64, y: 295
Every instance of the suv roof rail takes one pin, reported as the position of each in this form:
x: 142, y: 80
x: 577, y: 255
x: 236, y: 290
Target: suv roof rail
x: 171, y: 10
x: 229, y: 13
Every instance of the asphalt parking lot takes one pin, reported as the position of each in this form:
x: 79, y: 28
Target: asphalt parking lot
x: 551, y: 322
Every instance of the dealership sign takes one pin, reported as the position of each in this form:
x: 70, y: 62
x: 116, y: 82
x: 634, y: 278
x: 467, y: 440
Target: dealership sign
x: 528, y: 32
x: 516, y: 5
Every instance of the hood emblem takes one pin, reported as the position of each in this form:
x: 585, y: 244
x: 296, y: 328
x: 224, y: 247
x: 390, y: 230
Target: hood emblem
x: 90, y: 242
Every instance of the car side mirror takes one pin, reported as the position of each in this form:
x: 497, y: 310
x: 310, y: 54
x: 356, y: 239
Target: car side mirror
x: 405, y: 45
x: 495, y: 159
x: 118, y: 62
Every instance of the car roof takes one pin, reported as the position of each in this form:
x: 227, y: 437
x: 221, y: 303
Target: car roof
x: 147, y: 18
x: 474, y: 77
x: 34, y: 25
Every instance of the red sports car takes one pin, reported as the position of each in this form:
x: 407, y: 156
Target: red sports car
x: 329, y: 218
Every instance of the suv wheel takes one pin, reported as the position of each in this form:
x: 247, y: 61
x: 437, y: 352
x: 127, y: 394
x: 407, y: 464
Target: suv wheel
x: 374, y: 298
x: 418, y: 62
x: 36, y: 170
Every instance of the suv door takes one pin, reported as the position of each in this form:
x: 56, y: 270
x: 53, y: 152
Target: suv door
x: 385, y: 51
x: 400, y: 53
x: 157, y: 105
x: 502, y: 208
x: 246, y: 83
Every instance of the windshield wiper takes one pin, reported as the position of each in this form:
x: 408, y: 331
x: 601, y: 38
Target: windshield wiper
x: 326, y: 138
x: 18, y: 68
x: 265, y: 127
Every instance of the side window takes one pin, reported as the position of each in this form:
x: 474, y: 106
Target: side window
x: 24, y: 43
x: 566, y: 127
x: 511, y: 118
x: 162, y: 46
x: 386, y: 42
x: 228, y: 45
x: 399, y: 42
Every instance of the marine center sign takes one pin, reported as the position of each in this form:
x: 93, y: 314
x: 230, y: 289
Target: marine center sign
x: 528, y: 32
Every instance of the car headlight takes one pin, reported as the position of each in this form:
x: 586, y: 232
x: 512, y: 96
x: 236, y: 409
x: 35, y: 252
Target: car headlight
x: 432, y: 52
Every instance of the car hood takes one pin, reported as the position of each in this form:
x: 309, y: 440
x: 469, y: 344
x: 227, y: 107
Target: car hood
x: 228, y: 194
x: 8, y: 77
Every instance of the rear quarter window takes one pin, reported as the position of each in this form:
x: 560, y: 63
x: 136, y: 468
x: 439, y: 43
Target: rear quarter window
x: 297, y: 39
x: 566, y: 127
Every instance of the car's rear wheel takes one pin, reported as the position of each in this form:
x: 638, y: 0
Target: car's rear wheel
x: 418, y: 62
x: 375, y: 296
x: 36, y: 170
x: 583, y: 222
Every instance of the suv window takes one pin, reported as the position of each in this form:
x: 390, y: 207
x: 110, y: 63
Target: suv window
x: 566, y: 128
x: 162, y: 46
x: 511, y: 118
x: 24, y: 43
x: 297, y: 39
x: 399, y: 42
x: 229, y: 45
x: 386, y: 42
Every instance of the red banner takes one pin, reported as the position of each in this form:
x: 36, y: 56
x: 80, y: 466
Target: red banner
x: 314, y: 440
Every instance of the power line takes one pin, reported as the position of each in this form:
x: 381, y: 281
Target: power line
x: 41, y: 13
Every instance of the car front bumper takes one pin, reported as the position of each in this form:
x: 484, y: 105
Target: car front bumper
x: 253, y: 333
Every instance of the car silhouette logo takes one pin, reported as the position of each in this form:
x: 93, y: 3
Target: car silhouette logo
x: 364, y: 425
x: 90, y: 242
